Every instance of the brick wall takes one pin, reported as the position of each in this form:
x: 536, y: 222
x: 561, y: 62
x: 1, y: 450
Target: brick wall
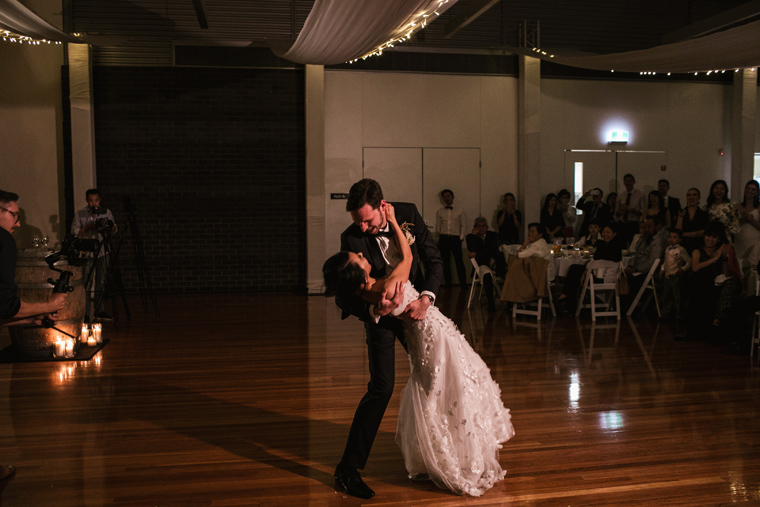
x: 214, y: 162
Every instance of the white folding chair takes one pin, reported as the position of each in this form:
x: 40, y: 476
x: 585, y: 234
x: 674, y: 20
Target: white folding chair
x: 608, y: 271
x: 525, y: 308
x: 756, y: 320
x: 477, y: 278
x: 648, y: 284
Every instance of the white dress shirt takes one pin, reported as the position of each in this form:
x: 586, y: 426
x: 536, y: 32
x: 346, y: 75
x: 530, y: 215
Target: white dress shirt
x: 451, y: 222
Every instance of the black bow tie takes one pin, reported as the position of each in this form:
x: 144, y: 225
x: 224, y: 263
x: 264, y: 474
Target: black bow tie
x: 449, y: 207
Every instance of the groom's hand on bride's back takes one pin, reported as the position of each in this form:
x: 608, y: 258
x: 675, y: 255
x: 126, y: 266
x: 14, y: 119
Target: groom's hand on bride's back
x: 416, y: 309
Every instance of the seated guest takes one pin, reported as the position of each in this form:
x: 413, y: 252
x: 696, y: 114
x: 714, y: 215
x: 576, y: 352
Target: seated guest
x: 551, y: 218
x: 648, y: 249
x: 593, y: 236
x: 609, y: 248
x: 715, y: 285
x: 509, y: 220
x: 656, y: 208
x: 692, y: 221
x: 676, y: 262
x: 483, y: 246
x: 536, y: 246
x: 593, y: 209
x: 568, y: 213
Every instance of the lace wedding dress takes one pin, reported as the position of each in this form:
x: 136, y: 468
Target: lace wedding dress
x: 452, y: 421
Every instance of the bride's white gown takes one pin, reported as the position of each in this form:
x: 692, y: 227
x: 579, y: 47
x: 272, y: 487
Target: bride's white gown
x: 452, y: 421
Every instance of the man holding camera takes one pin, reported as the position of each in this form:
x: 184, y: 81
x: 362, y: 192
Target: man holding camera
x: 93, y: 222
x: 13, y: 310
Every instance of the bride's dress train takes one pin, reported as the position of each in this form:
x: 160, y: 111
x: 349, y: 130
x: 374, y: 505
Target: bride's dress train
x: 452, y: 421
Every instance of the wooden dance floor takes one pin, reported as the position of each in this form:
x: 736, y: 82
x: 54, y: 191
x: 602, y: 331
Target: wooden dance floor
x: 246, y: 400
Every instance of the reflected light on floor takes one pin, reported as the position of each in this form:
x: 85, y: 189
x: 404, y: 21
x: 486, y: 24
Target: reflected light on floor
x: 575, y: 390
x: 612, y: 420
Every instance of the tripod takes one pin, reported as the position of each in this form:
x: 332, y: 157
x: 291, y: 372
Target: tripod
x: 145, y: 283
x: 107, y: 258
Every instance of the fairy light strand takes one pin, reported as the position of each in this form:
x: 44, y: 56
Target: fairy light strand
x: 416, y: 23
x: 9, y: 36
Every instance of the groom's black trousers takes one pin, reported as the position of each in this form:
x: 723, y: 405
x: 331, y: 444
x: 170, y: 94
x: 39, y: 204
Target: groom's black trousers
x: 381, y: 340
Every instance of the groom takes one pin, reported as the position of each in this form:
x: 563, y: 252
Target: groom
x: 370, y: 236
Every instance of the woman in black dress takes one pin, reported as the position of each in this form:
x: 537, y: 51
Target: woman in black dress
x: 692, y: 220
x: 509, y: 220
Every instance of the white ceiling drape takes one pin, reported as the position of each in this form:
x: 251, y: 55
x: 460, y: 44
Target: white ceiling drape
x: 727, y: 50
x: 339, y: 31
x: 17, y: 18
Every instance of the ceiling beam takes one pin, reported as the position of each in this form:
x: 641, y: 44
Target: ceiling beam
x: 470, y: 14
x: 200, y: 13
x: 725, y: 19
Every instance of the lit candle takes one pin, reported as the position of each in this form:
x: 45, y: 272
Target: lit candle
x: 60, y: 348
x: 85, y: 334
x: 91, y: 341
x: 96, y: 332
x: 69, y: 348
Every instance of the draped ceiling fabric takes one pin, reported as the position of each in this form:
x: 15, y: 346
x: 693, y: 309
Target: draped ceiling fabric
x: 17, y: 18
x: 735, y: 48
x: 339, y: 31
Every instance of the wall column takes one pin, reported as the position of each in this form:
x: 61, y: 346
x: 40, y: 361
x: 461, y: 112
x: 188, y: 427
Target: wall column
x: 315, y: 177
x: 743, y: 124
x: 82, y: 121
x: 529, y: 140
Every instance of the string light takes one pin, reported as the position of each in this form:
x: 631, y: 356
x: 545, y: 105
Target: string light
x: 413, y: 26
x: 21, y: 39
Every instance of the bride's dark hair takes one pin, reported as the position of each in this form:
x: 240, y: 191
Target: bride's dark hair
x: 342, y: 278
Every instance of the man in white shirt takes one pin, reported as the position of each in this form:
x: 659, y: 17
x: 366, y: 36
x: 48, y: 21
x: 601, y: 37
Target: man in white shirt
x: 450, y: 225
x: 630, y: 208
x: 536, y: 246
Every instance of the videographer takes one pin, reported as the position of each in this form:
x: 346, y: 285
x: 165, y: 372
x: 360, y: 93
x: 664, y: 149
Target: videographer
x: 95, y: 222
x: 14, y: 311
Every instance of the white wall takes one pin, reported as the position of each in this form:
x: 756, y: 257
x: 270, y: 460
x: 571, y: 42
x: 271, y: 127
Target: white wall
x: 690, y: 122
x: 31, y: 157
x: 405, y: 110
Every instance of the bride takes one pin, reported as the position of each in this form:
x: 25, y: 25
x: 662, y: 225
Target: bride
x: 451, y: 422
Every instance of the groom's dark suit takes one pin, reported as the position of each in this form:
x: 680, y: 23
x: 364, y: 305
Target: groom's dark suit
x: 381, y: 336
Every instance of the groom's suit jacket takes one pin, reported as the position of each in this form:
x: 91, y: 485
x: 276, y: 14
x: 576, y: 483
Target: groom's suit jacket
x: 424, y: 251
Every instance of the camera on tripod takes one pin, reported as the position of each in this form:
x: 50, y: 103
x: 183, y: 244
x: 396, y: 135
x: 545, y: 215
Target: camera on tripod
x: 102, y: 222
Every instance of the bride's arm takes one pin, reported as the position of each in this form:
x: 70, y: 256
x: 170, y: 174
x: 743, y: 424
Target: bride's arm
x: 401, y: 272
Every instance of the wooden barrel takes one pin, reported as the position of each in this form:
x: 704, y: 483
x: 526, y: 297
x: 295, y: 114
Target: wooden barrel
x: 32, y: 274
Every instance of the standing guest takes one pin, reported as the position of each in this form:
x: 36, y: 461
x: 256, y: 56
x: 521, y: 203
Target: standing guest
x: 748, y: 237
x: 715, y: 285
x: 483, y: 246
x: 593, y: 209
x: 85, y: 225
x: 648, y: 249
x: 612, y: 203
x: 672, y: 204
x: 13, y: 310
x: 656, y: 208
x: 593, y: 237
x: 692, y: 221
x: 630, y: 208
x: 450, y: 223
x: 720, y: 208
x: 675, y: 264
x: 551, y: 218
x: 509, y: 220
x: 568, y: 213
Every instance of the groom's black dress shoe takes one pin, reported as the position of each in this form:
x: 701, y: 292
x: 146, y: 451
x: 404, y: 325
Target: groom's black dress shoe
x: 349, y: 480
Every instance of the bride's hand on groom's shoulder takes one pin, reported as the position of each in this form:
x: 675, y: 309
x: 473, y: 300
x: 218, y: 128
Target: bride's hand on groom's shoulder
x: 390, y: 212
